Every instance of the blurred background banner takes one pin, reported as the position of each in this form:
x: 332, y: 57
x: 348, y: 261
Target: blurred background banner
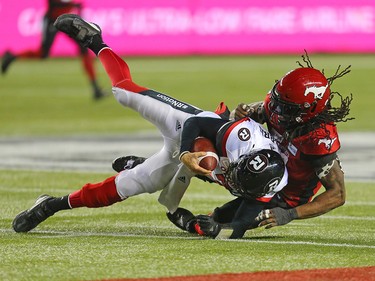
x: 184, y: 27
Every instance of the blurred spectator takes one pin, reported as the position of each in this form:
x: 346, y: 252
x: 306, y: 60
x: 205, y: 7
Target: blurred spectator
x: 55, y: 9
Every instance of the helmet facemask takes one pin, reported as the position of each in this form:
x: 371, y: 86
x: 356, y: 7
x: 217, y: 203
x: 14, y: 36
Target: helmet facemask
x: 285, y: 114
x: 298, y: 97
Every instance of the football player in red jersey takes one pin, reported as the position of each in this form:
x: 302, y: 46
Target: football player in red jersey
x: 299, y: 113
x: 55, y: 9
x: 300, y: 116
x: 250, y: 163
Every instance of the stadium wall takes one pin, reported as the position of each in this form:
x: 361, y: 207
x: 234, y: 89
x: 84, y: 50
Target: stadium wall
x: 183, y: 27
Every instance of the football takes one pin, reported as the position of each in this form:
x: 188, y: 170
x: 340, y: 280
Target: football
x: 211, y: 159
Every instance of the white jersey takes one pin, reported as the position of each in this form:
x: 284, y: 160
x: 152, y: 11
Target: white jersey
x: 163, y: 170
x: 241, y: 138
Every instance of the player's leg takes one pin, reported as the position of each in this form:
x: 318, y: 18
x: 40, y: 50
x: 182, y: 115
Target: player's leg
x: 48, y: 36
x: 90, y: 195
x: 7, y: 60
x: 148, y: 177
x: 88, y: 66
x: 89, y: 35
x: 158, y: 108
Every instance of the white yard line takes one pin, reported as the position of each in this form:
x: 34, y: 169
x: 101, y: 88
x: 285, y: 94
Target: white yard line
x: 63, y: 234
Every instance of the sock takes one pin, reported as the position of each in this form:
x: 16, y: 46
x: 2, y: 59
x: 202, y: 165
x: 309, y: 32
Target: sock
x: 95, y: 195
x: 59, y: 203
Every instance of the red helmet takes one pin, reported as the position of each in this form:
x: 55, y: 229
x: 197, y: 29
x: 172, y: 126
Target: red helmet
x: 296, y: 98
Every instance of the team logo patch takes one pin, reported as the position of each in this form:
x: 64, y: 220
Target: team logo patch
x: 317, y: 91
x: 257, y: 163
x: 272, y: 185
x: 327, y: 142
x: 244, y: 134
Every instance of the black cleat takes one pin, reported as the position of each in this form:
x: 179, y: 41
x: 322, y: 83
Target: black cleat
x: 126, y: 162
x: 8, y: 58
x: 77, y: 28
x: 31, y: 218
x: 99, y: 94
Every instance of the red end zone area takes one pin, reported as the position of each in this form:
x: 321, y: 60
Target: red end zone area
x: 342, y: 274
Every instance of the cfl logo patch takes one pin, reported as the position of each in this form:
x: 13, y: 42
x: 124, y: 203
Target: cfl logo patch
x: 257, y: 164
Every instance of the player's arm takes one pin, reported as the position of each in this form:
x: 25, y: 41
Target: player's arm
x: 253, y: 110
x: 332, y: 178
x: 231, y: 220
x: 194, y: 127
x: 331, y: 198
x: 200, y: 126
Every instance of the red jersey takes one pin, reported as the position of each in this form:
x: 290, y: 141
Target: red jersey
x: 58, y: 7
x: 303, y: 182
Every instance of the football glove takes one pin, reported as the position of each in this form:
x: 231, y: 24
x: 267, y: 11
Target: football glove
x: 207, y: 226
x: 183, y: 219
x: 276, y: 216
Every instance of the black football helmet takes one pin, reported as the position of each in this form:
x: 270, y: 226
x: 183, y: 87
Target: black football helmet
x: 255, y: 174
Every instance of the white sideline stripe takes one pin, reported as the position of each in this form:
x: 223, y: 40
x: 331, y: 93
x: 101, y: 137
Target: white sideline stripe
x: 62, y: 234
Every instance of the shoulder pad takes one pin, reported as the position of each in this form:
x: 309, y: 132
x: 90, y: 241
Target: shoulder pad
x: 320, y: 141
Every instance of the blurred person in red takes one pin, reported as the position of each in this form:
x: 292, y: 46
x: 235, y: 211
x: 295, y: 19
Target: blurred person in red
x: 55, y: 9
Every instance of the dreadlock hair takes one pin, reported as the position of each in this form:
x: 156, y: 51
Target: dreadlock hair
x: 331, y: 114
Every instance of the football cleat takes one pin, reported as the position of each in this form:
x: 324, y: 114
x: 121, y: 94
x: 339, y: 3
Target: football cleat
x: 126, y: 162
x: 97, y: 92
x: 8, y: 58
x: 77, y: 28
x: 31, y: 218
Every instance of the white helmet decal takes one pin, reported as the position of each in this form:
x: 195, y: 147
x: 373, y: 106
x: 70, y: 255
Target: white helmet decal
x: 327, y: 142
x: 317, y: 91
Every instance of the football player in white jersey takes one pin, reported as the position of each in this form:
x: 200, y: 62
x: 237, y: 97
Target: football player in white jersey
x: 252, y: 165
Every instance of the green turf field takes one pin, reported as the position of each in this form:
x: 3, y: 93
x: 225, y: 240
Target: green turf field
x: 53, y: 97
x: 134, y: 238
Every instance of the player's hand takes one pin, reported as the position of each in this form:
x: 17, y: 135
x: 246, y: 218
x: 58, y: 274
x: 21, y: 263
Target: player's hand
x: 242, y: 110
x: 276, y: 216
x: 190, y: 159
x: 207, y: 226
